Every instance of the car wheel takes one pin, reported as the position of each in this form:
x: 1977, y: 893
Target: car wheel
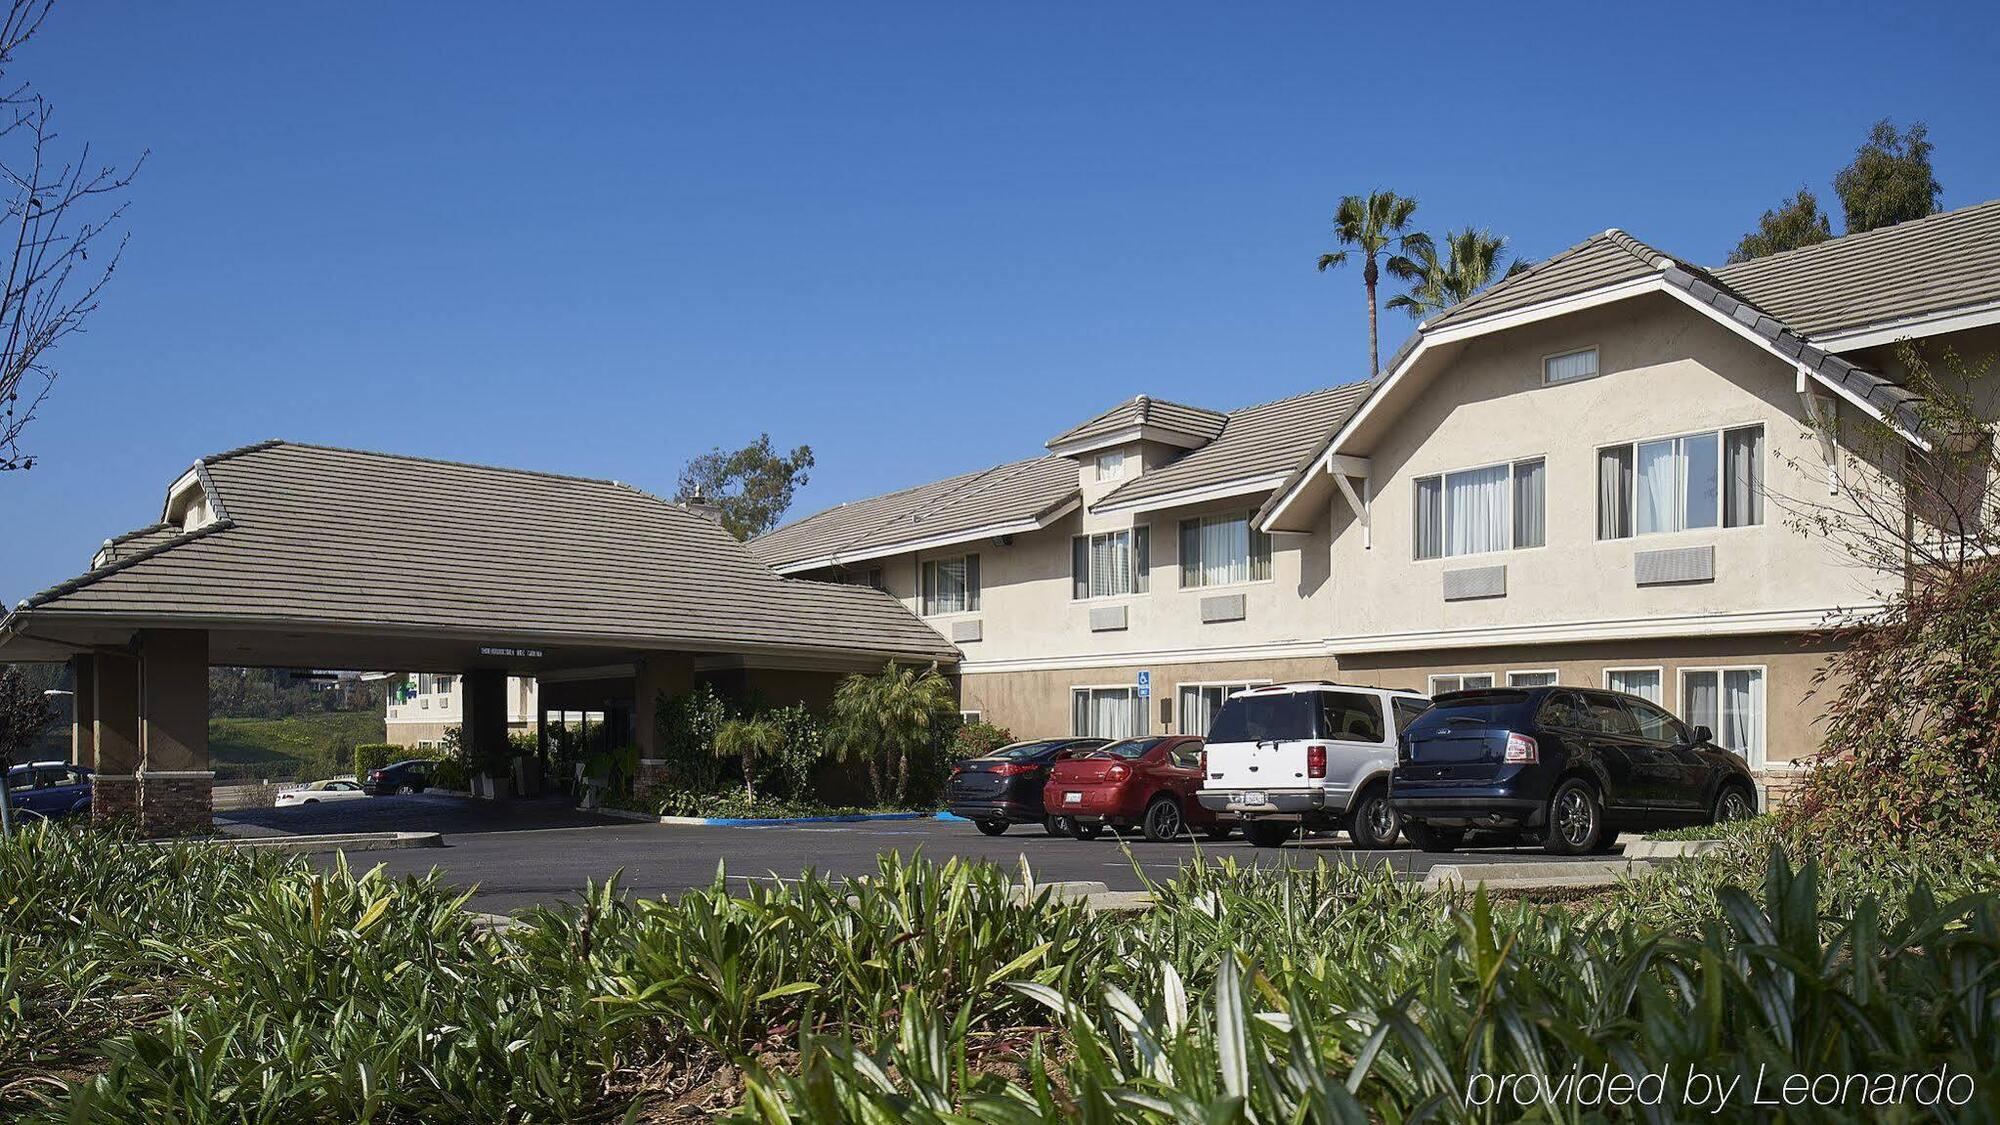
x: 1057, y: 825
x: 991, y: 827
x: 310, y: 801
x: 1734, y: 803
x: 1218, y: 831
x: 1437, y: 840
x: 1374, y: 823
x: 1576, y: 819
x: 1082, y: 831
x: 1163, y: 821
x: 1269, y: 833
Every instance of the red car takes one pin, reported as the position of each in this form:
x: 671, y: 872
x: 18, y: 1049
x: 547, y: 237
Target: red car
x: 1147, y: 783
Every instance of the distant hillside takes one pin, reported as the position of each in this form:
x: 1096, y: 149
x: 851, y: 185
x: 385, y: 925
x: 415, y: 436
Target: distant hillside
x: 303, y: 747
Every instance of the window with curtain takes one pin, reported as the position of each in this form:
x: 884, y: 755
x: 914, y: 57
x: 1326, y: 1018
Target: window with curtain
x: 1642, y: 682
x: 1709, y: 479
x: 1571, y: 365
x: 1729, y: 702
x: 1474, y: 511
x: 1110, y: 564
x: 1531, y: 679
x: 1461, y: 681
x: 1111, y: 464
x: 1200, y: 702
x: 1107, y: 712
x: 1223, y: 551
x: 951, y: 585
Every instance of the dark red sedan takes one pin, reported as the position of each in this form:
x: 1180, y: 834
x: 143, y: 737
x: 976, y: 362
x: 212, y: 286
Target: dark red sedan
x: 1144, y: 783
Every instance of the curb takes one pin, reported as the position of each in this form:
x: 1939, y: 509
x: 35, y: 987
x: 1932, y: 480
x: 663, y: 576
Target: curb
x: 1528, y: 876
x: 1673, y: 849
x: 758, y: 821
x: 337, y: 842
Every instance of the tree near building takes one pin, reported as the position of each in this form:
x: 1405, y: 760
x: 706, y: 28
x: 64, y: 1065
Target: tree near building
x: 1890, y: 179
x: 887, y: 721
x: 1471, y: 262
x: 1796, y: 222
x: 752, y: 740
x: 59, y: 210
x: 26, y: 713
x: 1370, y: 225
x: 753, y: 486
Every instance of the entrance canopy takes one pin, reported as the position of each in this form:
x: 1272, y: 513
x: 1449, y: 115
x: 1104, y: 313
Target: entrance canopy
x: 291, y: 555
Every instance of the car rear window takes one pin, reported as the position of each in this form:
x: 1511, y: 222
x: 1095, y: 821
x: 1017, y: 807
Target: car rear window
x: 1021, y: 750
x: 1285, y: 717
x: 1129, y: 748
x: 1482, y: 708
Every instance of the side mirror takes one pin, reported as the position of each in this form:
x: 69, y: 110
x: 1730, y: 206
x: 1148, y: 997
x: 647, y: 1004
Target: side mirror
x: 1703, y: 734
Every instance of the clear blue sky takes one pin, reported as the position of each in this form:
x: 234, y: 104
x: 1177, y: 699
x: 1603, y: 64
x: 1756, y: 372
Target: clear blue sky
x: 921, y: 237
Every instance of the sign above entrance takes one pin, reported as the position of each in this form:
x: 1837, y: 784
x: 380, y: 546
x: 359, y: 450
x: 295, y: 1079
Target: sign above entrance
x: 531, y: 653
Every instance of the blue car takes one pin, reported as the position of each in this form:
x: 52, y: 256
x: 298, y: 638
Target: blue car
x: 49, y: 789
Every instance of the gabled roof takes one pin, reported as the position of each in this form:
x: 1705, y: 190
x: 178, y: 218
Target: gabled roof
x: 316, y: 537
x: 1597, y: 261
x: 1936, y: 264
x: 1259, y: 447
x: 1140, y: 413
x: 1015, y: 497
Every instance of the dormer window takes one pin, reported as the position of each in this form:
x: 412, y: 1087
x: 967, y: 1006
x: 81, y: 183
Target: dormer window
x: 198, y: 514
x: 1111, y: 465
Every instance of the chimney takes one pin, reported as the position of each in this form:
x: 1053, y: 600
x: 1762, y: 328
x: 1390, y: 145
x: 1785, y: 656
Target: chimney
x: 705, y: 508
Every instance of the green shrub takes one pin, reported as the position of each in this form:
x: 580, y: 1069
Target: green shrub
x: 686, y: 727
x: 1725, y: 830
x: 802, y: 749
x: 375, y: 755
x: 976, y: 740
x: 450, y: 773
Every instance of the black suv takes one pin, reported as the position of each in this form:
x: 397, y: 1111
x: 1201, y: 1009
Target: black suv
x: 1570, y: 767
x: 1005, y: 787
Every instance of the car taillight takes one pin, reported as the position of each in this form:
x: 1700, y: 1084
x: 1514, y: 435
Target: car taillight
x: 1013, y: 769
x: 1204, y: 761
x: 1315, y: 761
x: 1118, y: 772
x: 374, y: 775
x: 1521, y: 748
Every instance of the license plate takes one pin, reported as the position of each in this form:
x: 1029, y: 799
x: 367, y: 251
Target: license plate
x: 1072, y: 798
x: 1253, y: 797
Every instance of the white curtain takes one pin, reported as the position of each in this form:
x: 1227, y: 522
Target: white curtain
x: 1703, y: 704
x: 1742, y: 727
x: 1576, y: 365
x: 1644, y: 683
x: 1225, y: 550
x: 1111, y: 714
x: 1659, y: 473
x: 1614, y: 492
x: 1476, y: 511
x: 1110, y: 564
x: 949, y: 587
x: 1743, y: 454
x: 1701, y: 454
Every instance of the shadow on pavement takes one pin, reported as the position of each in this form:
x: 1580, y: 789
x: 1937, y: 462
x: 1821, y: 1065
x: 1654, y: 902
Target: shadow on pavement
x: 411, y: 812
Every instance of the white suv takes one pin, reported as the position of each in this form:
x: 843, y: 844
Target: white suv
x: 1311, y: 755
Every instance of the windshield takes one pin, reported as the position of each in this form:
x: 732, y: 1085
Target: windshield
x: 1022, y: 750
x: 1128, y: 749
x: 1265, y: 718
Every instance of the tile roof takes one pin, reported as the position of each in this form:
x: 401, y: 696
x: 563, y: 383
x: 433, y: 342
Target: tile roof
x: 1014, y: 493
x: 1144, y: 410
x: 1259, y: 442
x: 1946, y: 261
x: 1597, y: 261
x: 317, y: 535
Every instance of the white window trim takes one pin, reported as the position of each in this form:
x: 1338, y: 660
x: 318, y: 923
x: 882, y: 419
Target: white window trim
x: 1142, y: 705
x: 1659, y: 670
x: 971, y: 716
x: 1555, y: 672
x: 1680, y: 483
x: 1431, y: 688
x: 1132, y: 555
x: 1565, y: 354
x: 1444, y: 557
x: 1250, y: 527
x: 1763, y: 720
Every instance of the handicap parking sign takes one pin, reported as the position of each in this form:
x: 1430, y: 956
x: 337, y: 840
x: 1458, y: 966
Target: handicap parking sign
x: 1145, y: 685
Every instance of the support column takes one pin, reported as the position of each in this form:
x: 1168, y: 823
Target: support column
x: 114, y: 709
x: 659, y: 675
x: 482, y: 731
x: 176, y: 785
x: 83, y: 711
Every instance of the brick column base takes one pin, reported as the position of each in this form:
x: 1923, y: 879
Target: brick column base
x: 652, y: 772
x: 177, y: 804
x: 1781, y: 787
x: 114, y: 800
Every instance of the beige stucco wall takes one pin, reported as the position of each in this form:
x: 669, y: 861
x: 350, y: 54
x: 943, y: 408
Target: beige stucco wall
x: 1665, y: 370
x: 1036, y: 704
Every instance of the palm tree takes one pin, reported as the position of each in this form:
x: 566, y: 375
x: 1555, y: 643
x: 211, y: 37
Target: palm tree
x: 749, y: 739
x: 1369, y: 225
x: 886, y: 720
x: 1472, y: 260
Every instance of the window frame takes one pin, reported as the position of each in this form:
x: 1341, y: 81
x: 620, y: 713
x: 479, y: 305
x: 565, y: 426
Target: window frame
x: 1721, y: 436
x: 1715, y: 733
x: 1432, y: 689
x: 1555, y: 675
x: 1659, y: 671
x: 1141, y: 582
x: 1097, y: 465
x: 1512, y: 465
x: 1251, y: 534
x: 1140, y: 712
x: 1565, y: 354
x: 974, y: 579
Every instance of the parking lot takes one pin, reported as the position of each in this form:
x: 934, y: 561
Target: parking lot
x: 519, y: 854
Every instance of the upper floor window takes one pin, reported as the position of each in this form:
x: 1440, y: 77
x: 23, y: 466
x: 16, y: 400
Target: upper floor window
x: 1674, y: 484
x: 1111, y: 464
x: 1497, y: 508
x: 1461, y: 681
x: 1223, y: 551
x: 871, y: 577
x: 951, y: 585
x: 1570, y: 365
x: 1110, y: 564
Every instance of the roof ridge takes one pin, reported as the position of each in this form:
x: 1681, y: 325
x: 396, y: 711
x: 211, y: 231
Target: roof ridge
x: 1294, y: 397
x: 413, y: 457
x: 1861, y: 235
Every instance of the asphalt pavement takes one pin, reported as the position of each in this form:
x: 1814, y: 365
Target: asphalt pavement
x: 517, y: 854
